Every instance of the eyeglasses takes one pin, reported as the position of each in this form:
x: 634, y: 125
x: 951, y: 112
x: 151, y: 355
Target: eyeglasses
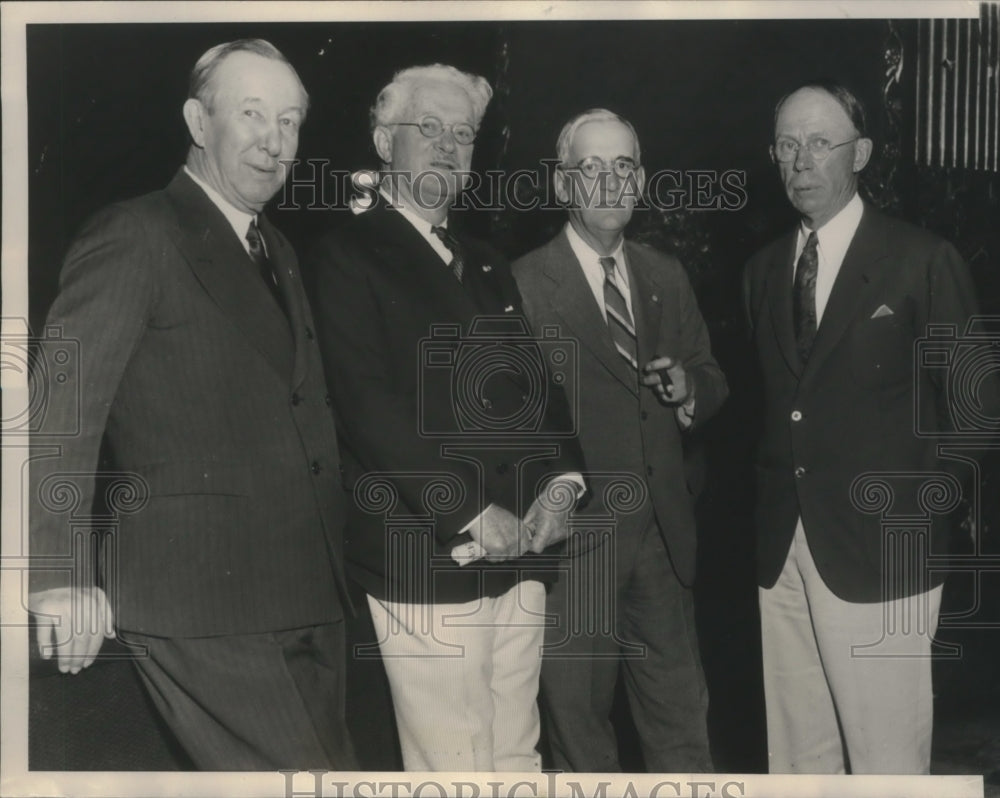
x: 787, y: 150
x: 432, y: 127
x: 593, y: 166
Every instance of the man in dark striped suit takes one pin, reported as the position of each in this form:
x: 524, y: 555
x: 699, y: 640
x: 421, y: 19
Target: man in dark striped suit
x: 199, y: 375
x: 627, y: 597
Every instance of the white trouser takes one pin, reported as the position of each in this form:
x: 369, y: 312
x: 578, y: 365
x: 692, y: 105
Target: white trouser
x: 840, y: 676
x: 464, y: 679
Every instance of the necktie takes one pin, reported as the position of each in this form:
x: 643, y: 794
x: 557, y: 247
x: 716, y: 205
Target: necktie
x: 259, y: 256
x: 457, y: 264
x: 804, y: 297
x: 619, y: 319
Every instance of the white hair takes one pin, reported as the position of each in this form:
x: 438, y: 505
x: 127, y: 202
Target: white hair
x: 394, y: 99
x: 565, y: 140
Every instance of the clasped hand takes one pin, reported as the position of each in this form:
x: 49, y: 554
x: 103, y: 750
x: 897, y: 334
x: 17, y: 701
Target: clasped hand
x: 504, y: 536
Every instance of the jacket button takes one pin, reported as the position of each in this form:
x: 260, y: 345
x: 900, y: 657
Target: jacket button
x: 329, y: 400
x: 315, y: 467
x: 799, y: 472
x: 644, y: 415
x: 796, y: 415
x: 309, y: 333
x: 649, y: 471
x: 502, y: 468
x: 296, y: 399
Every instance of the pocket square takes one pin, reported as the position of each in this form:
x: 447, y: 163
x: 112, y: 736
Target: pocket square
x: 509, y: 309
x: 883, y: 310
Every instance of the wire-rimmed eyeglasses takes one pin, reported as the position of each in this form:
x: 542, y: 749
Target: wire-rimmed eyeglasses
x: 786, y: 150
x: 432, y: 127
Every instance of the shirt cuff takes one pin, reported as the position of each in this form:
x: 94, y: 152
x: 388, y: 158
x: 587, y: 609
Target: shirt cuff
x: 577, y: 479
x: 475, y: 520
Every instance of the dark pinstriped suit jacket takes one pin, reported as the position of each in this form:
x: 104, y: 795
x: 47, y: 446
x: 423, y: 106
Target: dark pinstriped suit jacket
x: 197, y: 384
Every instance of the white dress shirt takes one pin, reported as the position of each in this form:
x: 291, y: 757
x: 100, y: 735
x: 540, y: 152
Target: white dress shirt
x: 238, y: 220
x: 590, y: 263
x: 834, y: 238
x: 594, y: 271
x: 422, y: 226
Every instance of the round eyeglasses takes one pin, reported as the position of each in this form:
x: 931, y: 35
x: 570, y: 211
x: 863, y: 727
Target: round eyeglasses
x: 593, y: 166
x: 432, y: 127
x: 787, y: 150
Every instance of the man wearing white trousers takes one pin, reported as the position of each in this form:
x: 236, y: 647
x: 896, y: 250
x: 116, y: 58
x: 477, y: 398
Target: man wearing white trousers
x: 447, y: 451
x: 838, y: 307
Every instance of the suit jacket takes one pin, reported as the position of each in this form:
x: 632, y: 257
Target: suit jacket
x: 623, y: 429
x: 201, y: 390
x: 859, y: 405
x: 430, y: 416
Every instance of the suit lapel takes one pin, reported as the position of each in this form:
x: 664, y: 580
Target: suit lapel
x: 855, y: 280
x: 779, y: 299
x: 285, y: 266
x: 225, y: 271
x: 647, y: 303
x: 416, y: 265
x: 572, y: 298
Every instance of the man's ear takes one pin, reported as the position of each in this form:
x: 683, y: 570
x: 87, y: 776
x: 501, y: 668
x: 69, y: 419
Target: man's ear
x: 383, y: 143
x: 194, y: 117
x: 862, y: 153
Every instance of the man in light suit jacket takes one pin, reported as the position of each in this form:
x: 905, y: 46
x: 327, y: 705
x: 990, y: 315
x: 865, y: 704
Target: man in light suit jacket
x: 200, y: 376
x: 633, y: 313
x: 450, y: 428
x: 838, y: 308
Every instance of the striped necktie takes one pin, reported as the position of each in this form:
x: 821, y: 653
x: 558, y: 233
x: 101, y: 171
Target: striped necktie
x: 804, y: 297
x: 619, y: 319
x: 259, y: 256
x: 457, y: 264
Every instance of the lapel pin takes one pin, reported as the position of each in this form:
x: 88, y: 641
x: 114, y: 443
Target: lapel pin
x: 655, y: 298
x: 487, y: 267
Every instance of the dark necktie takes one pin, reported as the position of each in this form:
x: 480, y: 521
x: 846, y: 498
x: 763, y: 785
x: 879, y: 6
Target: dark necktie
x: 259, y: 256
x: 619, y: 319
x: 804, y: 297
x: 457, y: 264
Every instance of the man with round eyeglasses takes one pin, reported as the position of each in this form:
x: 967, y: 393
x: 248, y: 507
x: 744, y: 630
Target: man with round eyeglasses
x: 647, y: 381
x: 838, y: 308
x: 456, y: 598
x: 432, y: 127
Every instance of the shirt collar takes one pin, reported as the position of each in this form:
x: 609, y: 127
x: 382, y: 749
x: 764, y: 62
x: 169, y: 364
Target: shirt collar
x: 421, y: 225
x: 837, y: 233
x: 238, y: 220
x: 588, y: 256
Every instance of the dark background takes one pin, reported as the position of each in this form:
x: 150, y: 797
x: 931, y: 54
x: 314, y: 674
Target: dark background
x: 105, y: 124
